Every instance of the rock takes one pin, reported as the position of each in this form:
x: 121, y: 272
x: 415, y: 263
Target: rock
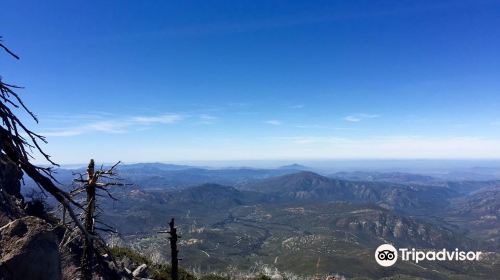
x: 29, y: 250
x: 10, y: 196
x: 140, y: 271
x: 276, y: 276
x: 10, y: 208
x: 10, y: 177
x: 127, y: 262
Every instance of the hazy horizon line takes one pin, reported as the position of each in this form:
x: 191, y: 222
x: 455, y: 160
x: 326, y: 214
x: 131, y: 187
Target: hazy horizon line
x: 269, y: 163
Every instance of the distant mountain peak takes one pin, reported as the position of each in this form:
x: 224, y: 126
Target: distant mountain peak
x: 294, y: 166
x: 301, y: 180
x: 303, y: 174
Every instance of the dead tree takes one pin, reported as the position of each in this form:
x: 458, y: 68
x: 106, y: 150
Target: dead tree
x: 89, y: 184
x: 88, y: 246
x: 17, y: 142
x: 173, y: 249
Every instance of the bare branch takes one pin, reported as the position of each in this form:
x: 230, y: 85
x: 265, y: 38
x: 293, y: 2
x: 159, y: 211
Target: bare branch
x: 7, y: 50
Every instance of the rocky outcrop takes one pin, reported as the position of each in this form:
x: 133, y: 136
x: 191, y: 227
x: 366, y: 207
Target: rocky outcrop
x: 140, y: 271
x: 10, y: 195
x: 29, y: 250
x: 10, y: 176
x: 10, y: 208
x: 29, y: 238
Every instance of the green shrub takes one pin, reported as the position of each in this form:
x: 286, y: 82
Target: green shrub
x: 135, y: 257
x: 156, y: 271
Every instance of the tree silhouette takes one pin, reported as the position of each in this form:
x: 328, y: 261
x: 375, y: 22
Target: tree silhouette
x: 18, y: 142
x: 173, y: 249
x: 90, y: 184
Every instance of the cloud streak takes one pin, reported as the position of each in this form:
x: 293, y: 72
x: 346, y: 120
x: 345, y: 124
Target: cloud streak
x: 360, y: 117
x: 207, y: 119
x: 162, y: 119
x: 115, y: 126
x: 274, y: 122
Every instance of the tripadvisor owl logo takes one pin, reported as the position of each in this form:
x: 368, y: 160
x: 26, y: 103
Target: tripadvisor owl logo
x: 386, y: 255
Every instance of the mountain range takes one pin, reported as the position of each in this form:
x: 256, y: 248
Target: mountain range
x: 291, y: 219
x: 294, y: 221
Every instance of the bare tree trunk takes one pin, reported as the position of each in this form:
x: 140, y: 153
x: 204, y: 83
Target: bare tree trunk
x: 173, y: 247
x: 88, y: 246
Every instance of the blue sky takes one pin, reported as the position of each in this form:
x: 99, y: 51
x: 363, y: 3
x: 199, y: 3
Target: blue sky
x: 270, y: 80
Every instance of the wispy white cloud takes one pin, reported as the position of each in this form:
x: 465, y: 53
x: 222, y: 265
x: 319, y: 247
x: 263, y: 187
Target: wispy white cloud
x: 274, y: 122
x: 297, y: 106
x: 112, y: 126
x: 207, y: 119
x: 119, y: 125
x: 162, y: 119
x: 352, y: 119
x: 98, y: 126
x: 360, y: 117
